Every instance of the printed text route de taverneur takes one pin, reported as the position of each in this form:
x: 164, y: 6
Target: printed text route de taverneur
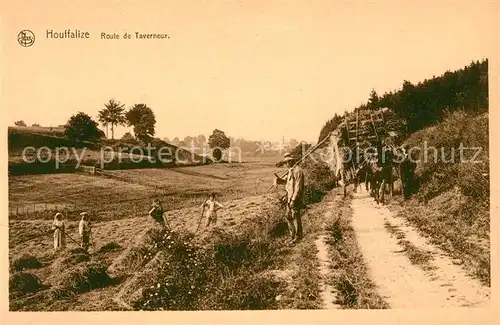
x: 67, y: 33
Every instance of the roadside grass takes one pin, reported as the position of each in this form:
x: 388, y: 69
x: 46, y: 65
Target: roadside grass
x: 452, y: 204
x: 416, y: 255
x: 350, y: 275
x: 461, y: 240
x: 307, y: 279
x: 305, y: 291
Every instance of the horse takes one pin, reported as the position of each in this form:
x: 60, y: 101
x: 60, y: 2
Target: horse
x: 362, y: 175
x: 407, y: 174
x: 380, y: 173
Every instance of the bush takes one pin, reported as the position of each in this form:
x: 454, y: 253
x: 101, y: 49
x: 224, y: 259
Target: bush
x: 244, y: 292
x: 319, y: 181
x: 448, y: 170
x: 472, y: 181
x: 83, y: 128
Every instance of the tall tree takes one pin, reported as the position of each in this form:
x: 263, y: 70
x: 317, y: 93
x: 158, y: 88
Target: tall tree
x: 217, y: 141
x: 142, y: 118
x: 201, y: 140
x: 373, y: 100
x: 19, y: 123
x: 189, y: 140
x: 115, y: 115
x: 103, y: 118
x: 329, y: 127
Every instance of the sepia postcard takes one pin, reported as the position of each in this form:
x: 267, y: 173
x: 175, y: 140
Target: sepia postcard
x: 250, y: 161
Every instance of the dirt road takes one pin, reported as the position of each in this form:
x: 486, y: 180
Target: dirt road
x: 387, y: 244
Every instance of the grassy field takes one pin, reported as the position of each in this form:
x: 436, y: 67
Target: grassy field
x: 243, y: 256
x: 128, y: 193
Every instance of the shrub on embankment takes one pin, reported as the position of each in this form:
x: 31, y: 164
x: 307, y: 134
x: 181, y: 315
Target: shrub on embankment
x: 355, y: 289
x: 442, y: 164
x: 319, y: 180
x: 454, y: 188
x: 225, y: 271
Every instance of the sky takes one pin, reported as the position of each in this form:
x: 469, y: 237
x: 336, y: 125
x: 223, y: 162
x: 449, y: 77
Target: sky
x: 257, y: 69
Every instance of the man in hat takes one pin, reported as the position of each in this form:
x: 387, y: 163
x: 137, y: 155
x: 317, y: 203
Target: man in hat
x: 85, y: 230
x: 294, y: 185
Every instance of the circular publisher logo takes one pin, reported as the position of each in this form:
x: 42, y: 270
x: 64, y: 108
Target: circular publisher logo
x: 26, y: 38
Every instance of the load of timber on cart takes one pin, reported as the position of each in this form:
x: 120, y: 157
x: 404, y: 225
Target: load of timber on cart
x: 360, y: 130
x: 370, y: 127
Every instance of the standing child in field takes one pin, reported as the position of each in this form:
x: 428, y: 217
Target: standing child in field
x: 85, y: 230
x: 59, y: 227
x: 157, y: 212
x: 212, y: 206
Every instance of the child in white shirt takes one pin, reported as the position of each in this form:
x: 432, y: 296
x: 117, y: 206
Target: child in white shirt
x: 212, y: 206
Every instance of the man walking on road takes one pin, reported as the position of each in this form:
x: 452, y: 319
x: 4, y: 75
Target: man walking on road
x: 295, y: 197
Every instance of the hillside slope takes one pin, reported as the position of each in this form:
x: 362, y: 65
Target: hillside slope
x: 452, y: 202
x: 114, y: 154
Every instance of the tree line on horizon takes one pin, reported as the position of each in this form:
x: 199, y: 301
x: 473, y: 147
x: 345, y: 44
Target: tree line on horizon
x: 82, y: 127
x: 427, y: 102
x: 245, y: 145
